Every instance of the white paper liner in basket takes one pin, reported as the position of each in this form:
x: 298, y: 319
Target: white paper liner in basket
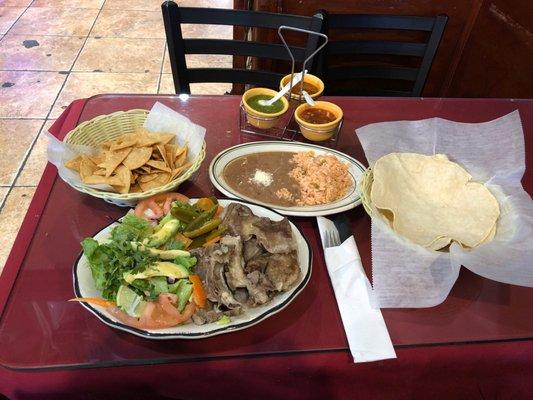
x: 408, y: 275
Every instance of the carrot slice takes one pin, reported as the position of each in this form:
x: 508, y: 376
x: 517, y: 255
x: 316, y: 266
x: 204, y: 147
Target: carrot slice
x: 183, y: 239
x: 219, y: 211
x: 211, y: 242
x: 198, y: 292
x: 95, y: 300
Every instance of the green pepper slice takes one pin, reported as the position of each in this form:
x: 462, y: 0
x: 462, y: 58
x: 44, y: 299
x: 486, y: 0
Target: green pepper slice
x: 207, y: 227
x: 201, y: 219
x: 221, y: 230
x: 183, y: 214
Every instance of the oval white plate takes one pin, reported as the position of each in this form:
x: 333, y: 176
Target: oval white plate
x: 350, y: 200
x: 84, y: 287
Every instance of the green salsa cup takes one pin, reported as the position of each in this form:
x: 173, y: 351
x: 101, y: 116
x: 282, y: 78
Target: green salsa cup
x: 255, y: 114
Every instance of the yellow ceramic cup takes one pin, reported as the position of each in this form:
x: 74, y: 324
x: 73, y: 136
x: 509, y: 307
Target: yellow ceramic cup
x: 312, y: 79
x: 319, y: 132
x: 260, y: 119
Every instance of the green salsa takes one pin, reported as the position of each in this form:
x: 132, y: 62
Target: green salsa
x: 253, y: 102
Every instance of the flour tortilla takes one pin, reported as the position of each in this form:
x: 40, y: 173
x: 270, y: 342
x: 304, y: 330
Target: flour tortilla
x: 433, y: 201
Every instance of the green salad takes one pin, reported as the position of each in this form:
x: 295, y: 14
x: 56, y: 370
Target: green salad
x: 144, y: 272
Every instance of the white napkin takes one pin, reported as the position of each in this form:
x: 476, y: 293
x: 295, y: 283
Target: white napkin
x: 365, y: 328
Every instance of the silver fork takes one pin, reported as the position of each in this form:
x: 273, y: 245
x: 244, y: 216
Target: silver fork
x: 331, y: 238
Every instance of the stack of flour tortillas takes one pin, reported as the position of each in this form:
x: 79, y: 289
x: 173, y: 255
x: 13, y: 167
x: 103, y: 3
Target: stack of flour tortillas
x: 432, y: 201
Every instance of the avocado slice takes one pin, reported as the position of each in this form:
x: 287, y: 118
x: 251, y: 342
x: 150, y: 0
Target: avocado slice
x: 163, y: 235
x: 162, y: 254
x: 161, y: 268
x: 183, y: 289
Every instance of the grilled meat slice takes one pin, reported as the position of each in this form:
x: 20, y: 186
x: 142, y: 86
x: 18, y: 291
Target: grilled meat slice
x: 251, y: 249
x: 273, y: 236
x: 283, y: 271
x: 210, y: 266
x: 212, y: 314
x: 235, y: 272
x: 260, y: 288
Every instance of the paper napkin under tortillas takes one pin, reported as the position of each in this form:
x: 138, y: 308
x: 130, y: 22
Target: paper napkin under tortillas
x: 408, y: 275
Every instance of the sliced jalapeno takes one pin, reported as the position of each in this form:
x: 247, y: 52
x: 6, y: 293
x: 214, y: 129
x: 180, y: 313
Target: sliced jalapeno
x: 201, y: 219
x: 207, y: 227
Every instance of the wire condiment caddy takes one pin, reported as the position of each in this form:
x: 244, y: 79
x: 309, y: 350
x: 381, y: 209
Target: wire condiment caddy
x: 287, y: 127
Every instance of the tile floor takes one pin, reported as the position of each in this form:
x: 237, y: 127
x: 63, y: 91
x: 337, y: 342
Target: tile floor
x: 52, y: 53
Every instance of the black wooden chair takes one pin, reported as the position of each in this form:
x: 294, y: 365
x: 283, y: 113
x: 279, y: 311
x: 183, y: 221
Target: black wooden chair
x: 174, y: 16
x: 387, y: 65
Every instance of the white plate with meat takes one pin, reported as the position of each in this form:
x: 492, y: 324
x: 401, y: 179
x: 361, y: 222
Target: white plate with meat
x: 255, y: 271
x: 292, y: 178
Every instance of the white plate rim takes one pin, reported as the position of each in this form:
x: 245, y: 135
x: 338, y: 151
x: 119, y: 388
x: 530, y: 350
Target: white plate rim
x: 313, y: 211
x: 218, y: 330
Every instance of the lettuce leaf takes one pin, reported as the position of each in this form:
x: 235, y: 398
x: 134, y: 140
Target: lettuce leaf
x: 109, y: 261
x: 132, y: 228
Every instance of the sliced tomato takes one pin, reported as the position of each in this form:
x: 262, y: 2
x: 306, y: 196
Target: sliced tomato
x: 155, y: 316
x: 198, y: 292
x: 159, y: 205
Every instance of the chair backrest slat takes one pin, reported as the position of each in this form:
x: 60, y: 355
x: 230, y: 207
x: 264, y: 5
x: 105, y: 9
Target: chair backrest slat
x: 241, y: 48
x: 398, y: 73
x: 373, y: 21
x: 218, y: 16
x: 377, y: 47
x: 244, y: 76
x: 433, y: 44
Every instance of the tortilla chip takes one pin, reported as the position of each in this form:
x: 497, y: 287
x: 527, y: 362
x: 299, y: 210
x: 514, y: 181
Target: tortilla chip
x: 181, y: 159
x: 147, y: 177
x: 180, y: 170
x: 163, y: 152
x: 135, y: 188
x: 123, y: 174
x: 114, y: 158
x: 161, y: 165
x: 171, y: 151
x: 123, y: 143
x: 165, y: 138
x: 99, y: 172
x: 137, y: 157
x: 74, y: 164
x: 161, y: 179
x: 94, y: 180
x: 87, y: 167
x: 97, y: 159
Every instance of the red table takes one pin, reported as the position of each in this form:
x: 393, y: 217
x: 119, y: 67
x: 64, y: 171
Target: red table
x: 477, y: 344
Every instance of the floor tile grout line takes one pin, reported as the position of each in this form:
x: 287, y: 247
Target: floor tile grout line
x: 11, y: 27
x: 32, y: 145
x: 21, y: 166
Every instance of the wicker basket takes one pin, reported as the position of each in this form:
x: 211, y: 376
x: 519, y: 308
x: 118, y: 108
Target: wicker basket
x: 108, y: 127
x: 366, y: 186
